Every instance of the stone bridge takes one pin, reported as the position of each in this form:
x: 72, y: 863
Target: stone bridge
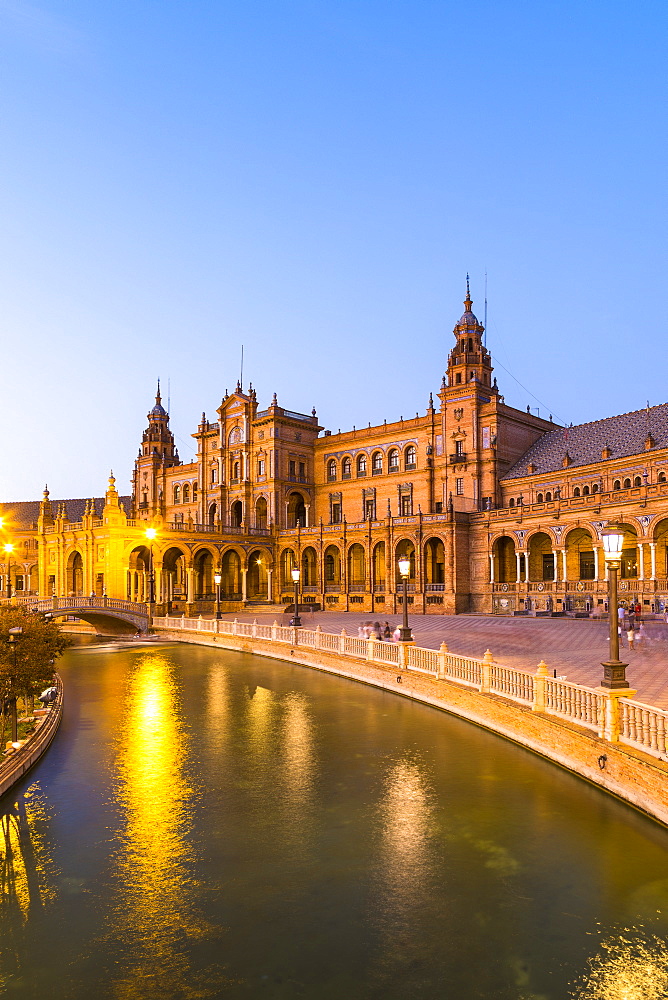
x: 108, y: 615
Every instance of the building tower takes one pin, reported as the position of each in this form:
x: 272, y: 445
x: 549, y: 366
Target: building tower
x: 156, y: 454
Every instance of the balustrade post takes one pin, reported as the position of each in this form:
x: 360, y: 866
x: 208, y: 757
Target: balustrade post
x: 609, y: 726
x: 342, y: 641
x: 442, y: 662
x: 318, y: 633
x: 274, y: 631
x: 234, y: 627
x: 370, y: 646
x: 199, y: 624
x: 403, y: 655
x: 486, y: 672
x: 540, y: 687
x: 254, y: 628
x: 183, y: 621
x: 217, y: 620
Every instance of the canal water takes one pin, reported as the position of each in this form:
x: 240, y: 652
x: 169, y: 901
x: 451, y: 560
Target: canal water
x: 211, y: 824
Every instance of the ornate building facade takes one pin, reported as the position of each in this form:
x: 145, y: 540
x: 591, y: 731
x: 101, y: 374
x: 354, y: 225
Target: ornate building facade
x: 499, y: 510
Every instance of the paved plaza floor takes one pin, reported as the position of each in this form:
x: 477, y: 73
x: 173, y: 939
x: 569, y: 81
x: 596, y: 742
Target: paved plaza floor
x: 572, y: 647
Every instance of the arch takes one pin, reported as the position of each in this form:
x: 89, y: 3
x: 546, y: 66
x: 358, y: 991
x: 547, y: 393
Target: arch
x: 585, y: 491
x: 511, y: 502
x: 393, y: 460
x: 356, y: 566
x: 257, y: 577
x: 186, y: 492
x: 378, y: 566
x: 580, y: 559
x: 629, y: 567
x: 261, y: 512
x: 332, y: 564
x: 505, y: 564
x: 637, y: 481
x: 376, y: 463
x: 410, y: 457
x: 595, y: 488
x: 309, y: 567
x: 661, y: 477
x: 434, y: 561
x: 203, y: 565
x: 236, y: 470
x: 361, y: 464
x: 331, y: 469
x: 660, y: 536
x: 75, y: 575
x: 213, y: 513
x: 346, y: 467
x: 174, y: 575
x: 548, y: 497
x: 539, y: 498
x: 230, y: 576
x: 404, y: 548
x: 236, y: 514
x: 296, y: 510
x: 627, y: 483
x: 177, y: 494
x: 288, y: 562
x: 576, y: 491
x: 617, y: 485
x: 540, y: 557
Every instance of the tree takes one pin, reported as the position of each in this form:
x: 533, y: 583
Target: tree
x: 26, y: 657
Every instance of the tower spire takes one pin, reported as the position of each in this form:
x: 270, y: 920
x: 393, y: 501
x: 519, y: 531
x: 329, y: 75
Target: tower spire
x: 158, y: 397
x: 468, y: 301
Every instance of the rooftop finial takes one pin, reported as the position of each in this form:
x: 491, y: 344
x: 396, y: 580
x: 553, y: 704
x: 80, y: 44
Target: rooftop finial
x: 158, y: 397
x: 468, y: 302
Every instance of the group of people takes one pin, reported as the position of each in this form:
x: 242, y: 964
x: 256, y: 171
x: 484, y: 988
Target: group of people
x: 631, y: 626
x: 379, y: 631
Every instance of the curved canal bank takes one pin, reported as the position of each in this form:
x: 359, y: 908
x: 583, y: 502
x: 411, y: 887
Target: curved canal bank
x: 16, y: 765
x: 213, y: 824
x: 637, y: 777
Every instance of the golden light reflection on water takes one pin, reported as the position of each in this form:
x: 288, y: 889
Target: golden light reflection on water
x: 298, y: 749
x: 154, y: 919
x: 629, y: 966
x: 407, y: 816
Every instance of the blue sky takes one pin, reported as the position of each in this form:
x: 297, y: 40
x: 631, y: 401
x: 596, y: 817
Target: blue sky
x: 313, y: 180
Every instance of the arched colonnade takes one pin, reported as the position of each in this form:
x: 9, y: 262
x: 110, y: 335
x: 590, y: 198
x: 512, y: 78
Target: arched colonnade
x: 188, y: 576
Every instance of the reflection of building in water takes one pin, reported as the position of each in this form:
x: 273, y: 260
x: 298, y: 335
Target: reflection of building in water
x: 628, y: 966
x: 406, y: 815
x: 28, y: 874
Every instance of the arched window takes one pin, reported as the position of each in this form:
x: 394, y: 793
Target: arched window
x: 235, y: 471
x: 393, y: 461
x: 331, y: 469
x: 594, y: 488
x: 186, y: 492
x: 346, y: 468
x: 576, y: 491
x: 548, y: 498
x: 410, y: 457
x: 627, y: 484
x: 617, y: 485
x: 214, y: 474
x: 361, y: 465
x: 539, y: 498
x: 194, y: 491
x: 636, y: 481
x: 511, y: 502
x: 177, y: 494
x: 377, y: 463
x: 662, y: 477
x: 585, y: 491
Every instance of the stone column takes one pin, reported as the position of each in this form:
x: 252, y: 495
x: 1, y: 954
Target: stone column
x: 517, y: 562
x: 554, y: 565
x: 596, y: 563
x: 564, y: 574
x: 652, y: 552
x: 243, y: 584
x: 491, y: 567
x: 641, y: 560
x: 270, y: 593
x: 307, y: 515
x: 190, y: 585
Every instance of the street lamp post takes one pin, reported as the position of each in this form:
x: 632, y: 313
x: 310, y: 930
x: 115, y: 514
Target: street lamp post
x: 614, y: 671
x: 14, y: 633
x: 405, y: 634
x: 9, y: 548
x: 296, y: 621
x: 216, y: 579
x: 151, y: 534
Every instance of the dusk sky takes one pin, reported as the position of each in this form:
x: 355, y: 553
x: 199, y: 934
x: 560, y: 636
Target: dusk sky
x: 313, y: 179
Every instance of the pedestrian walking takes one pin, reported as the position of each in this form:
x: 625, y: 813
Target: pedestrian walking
x: 396, y: 635
x: 387, y: 631
x: 630, y: 637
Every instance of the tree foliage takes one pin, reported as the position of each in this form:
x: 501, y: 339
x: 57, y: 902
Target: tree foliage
x: 26, y: 664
